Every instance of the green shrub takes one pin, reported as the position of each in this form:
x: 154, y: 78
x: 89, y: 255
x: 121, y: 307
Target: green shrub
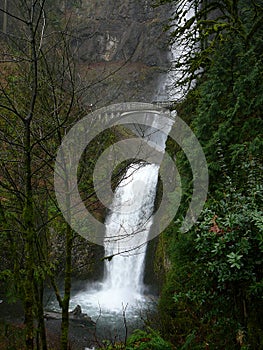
x: 143, y: 340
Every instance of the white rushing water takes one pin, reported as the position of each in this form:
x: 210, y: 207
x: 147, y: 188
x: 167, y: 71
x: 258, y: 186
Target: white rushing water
x: 178, y: 51
x: 126, y: 228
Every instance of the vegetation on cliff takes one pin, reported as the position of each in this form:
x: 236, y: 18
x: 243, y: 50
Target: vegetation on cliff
x: 212, y: 296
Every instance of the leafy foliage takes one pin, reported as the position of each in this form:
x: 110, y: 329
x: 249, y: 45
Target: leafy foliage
x: 200, y: 27
x: 213, y: 292
x: 141, y: 340
x: 215, y: 285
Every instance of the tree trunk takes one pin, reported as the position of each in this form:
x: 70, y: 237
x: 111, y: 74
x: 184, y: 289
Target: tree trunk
x: 28, y: 218
x: 39, y: 291
x: 67, y: 288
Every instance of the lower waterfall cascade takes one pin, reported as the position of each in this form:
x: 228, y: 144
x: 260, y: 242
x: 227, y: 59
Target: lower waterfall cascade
x: 124, y: 272
x: 126, y: 230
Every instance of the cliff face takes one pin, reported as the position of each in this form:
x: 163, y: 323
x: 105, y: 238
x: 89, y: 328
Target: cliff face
x: 120, y: 45
x: 114, y: 30
x: 121, y: 48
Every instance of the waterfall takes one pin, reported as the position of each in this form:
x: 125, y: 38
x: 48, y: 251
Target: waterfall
x: 126, y: 227
x: 123, y: 281
x: 129, y: 221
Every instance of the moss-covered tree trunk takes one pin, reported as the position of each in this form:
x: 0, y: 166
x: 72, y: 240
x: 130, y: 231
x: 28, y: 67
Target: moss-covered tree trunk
x: 41, y: 330
x: 28, y: 220
x: 67, y: 288
x: 28, y: 213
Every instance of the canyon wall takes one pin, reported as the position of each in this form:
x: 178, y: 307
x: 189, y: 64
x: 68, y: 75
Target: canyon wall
x: 121, y: 48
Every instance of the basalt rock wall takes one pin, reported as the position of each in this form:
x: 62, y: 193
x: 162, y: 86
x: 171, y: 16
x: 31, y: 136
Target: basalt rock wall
x: 121, y: 48
x: 116, y: 30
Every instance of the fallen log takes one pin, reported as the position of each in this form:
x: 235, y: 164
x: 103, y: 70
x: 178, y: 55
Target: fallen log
x: 74, y: 315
